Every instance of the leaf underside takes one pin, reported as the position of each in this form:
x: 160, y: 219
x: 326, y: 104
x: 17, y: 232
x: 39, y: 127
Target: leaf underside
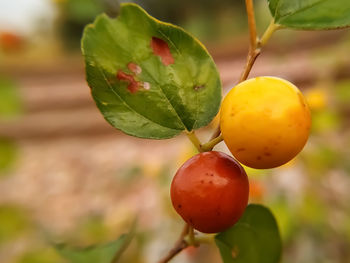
x: 311, y: 14
x: 104, y: 253
x: 148, y: 78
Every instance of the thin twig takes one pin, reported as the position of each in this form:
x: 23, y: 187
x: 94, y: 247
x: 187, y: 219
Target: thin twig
x: 253, y: 52
x: 254, y: 48
x: 251, y: 23
x: 180, y: 245
x: 252, y: 56
x: 210, y: 145
x: 195, y: 141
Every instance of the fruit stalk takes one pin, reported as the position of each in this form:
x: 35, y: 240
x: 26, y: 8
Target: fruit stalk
x: 180, y: 245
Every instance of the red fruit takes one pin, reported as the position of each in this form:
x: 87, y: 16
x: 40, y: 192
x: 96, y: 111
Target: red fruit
x: 210, y: 191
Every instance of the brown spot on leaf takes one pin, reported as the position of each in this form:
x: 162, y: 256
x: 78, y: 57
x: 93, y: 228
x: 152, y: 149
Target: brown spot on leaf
x: 136, y: 69
x: 258, y: 157
x: 133, y: 84
x: 234, y: 252
x: 160, y: 48
x: 196, y: 88
x: 267, y: 154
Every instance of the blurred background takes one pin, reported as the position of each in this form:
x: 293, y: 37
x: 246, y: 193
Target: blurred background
x: 67, y: 176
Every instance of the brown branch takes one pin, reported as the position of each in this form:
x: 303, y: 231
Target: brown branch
x: 251, y: 23
x: 180, y: 245
x: 253, y: 52
x: 252, y: 56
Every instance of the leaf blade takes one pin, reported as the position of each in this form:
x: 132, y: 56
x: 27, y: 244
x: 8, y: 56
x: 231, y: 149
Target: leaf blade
x: 182, y: 95
x: 254, y: 239
x: 311, y: 14
x: 105, y: 253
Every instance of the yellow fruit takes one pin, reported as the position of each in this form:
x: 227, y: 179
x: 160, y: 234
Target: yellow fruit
x: 265, y: 122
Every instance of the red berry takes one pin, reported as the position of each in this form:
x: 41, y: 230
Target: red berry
x: 210, y: 191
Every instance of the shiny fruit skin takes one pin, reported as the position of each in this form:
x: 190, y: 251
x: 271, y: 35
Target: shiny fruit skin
x: 265, y: 122
x: 210, y: 191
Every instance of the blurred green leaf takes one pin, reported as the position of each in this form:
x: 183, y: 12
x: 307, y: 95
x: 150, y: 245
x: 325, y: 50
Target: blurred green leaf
x: 10, y: 103
x: 253, y: 239
x: 8, y: 154
x: 13, y: 222
x: 342, y: 92
x: 90, y: 230
x: 321, y: 159
x: 149, y: 79
x: 83, y: 11
x: 106, y: 253
x: 41, y: 256
x: 285, y: 218
x: 313, y: 211
x: 325, y: 121
x: 311, y: 14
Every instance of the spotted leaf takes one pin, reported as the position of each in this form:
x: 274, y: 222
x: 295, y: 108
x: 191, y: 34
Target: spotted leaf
x: 148, y: 78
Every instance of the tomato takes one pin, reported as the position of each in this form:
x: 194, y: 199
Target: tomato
x: 265, y: 122
x: 210, y: 191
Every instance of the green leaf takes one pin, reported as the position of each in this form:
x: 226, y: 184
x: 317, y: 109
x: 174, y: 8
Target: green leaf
x: 148, y: 78
x: 106, y: 253
x: 43, y: 255
x: 10, y: 104
x: 8, y: 154
x: 311, y: 14
x: 13, y: 223
x: 253, y: 239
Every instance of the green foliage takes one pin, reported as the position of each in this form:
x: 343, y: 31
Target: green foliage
x: 10, y: 104
x: 325, y: 121
x: 342, y: 93
x: 83, y: 11
x: 311, y: 14
x: 13, y: 223
x: 8, y: 154
x: 106, y: 253
x: 149, y: 79
x: 91, y: 230
x: 254, y: 238
x: 46, y: 255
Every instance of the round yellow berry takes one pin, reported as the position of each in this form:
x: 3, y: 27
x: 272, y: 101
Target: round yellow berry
x: 265, y: 122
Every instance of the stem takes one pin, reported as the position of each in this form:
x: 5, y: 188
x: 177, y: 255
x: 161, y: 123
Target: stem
x: 210, y: 145
x: 268, y: 33
x: 180, y: 245
x: 205, y: 239
x: 254, y: 47
x: 252, y: 56
x: 192, y: 240
x: 251, y: 22
x: 194, y: 139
